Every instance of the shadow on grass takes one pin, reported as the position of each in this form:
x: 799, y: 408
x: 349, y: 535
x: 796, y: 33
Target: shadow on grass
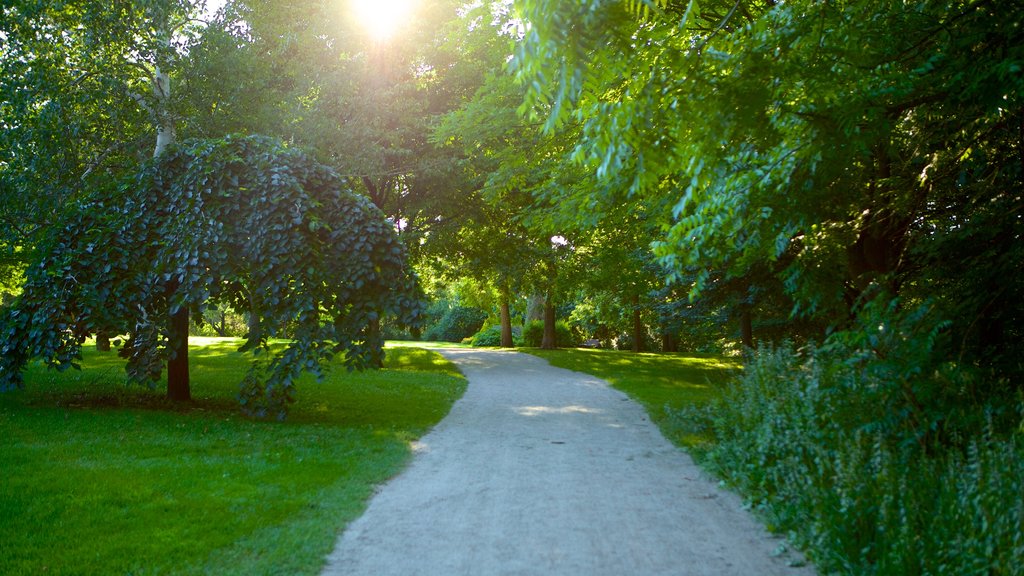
x: 216, y: 369
x: 94, y: 467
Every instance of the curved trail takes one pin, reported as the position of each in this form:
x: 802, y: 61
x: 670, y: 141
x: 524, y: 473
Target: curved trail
x: 543, y: 471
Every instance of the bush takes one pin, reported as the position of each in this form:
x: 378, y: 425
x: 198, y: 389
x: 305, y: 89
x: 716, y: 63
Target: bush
x: 490, y: 336
x: 533, y: 334
x: 807, y: 438
x: 456, y: 323
x: 625, y: 342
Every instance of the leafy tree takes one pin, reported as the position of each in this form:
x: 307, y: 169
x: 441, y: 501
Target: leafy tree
x: 848, y: 142
x: 511, y: 234
x: 242, y: 222
x: 84, y: 86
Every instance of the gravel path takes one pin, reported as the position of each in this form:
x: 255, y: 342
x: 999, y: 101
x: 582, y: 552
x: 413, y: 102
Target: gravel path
x: 543, y: 471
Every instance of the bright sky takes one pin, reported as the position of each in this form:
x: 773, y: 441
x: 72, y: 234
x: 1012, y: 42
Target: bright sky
x: 382, y: 18
x: 213, y: 5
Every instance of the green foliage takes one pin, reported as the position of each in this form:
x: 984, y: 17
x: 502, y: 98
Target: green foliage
x: 624, y: 341
x: 767, y: 135
x: 220, y: 322
x: 12, y: 272
x: 242, y: 222
x: 76, y: 99
x: 456, y: 323
x: 533, y: 334
x: 491, y: 336
x: 867, y: 494
x: 101, y: 478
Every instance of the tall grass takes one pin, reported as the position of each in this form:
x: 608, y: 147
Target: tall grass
x: 804, y: 438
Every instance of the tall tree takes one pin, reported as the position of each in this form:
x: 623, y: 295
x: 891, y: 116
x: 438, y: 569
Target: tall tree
x: 853, y: 139
x: 83, y: 86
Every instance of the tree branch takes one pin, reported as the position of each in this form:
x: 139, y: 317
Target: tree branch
x: 721, y: 25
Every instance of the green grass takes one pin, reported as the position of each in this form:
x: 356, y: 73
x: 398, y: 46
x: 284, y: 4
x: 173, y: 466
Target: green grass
x: 665, y: 384
x: 100, y: 478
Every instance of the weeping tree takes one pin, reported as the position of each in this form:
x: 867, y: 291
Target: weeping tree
x: 243, y: 222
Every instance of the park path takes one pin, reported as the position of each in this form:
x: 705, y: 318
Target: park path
x: 543, y: 471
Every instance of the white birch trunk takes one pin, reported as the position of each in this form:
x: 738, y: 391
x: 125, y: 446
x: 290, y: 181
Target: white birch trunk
x: 165, y: 133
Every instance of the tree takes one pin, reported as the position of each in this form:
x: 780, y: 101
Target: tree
x: 240, y: 221
x: 519, y: 239
x: 849, y: 140
x: 82, y: 86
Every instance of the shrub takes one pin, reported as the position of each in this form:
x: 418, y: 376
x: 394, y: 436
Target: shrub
x: 490, y: 336
x: 807, y: 438
x: 625, y: 342
x: 533, y: 334
x: 456, y: 323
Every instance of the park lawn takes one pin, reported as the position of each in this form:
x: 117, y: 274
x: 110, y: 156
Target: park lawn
x: 667, y: 385
x: 100, y: 478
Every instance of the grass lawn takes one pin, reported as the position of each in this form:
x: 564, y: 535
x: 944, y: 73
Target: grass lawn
x: 662, y: 383
x: 100, y: 478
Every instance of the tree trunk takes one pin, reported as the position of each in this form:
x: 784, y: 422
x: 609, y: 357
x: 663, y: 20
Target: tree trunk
x: 874, y: 258
x: 506, y: 322
x: 550, y: 339
x: 535, y: 308
x: 376, y: 343
x: 638, y: 326
x: 253, y: 323
x: 669, y: 342
x: 221, y: 326
x: 746, y: 328
x: 178, y: 386
x: 165, y: 132
x: 102, y: 341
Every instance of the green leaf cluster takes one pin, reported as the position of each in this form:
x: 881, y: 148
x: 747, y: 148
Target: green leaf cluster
x: 241, y: 221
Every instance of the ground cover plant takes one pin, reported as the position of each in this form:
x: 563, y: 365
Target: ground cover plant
x: 103, y: 479
x: 665, y: 384
x: 936, y: 488
x: 821, y: 460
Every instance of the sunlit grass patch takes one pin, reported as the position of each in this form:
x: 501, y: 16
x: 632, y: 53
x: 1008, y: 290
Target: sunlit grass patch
x: 667, y: 385
x: 102, y: 478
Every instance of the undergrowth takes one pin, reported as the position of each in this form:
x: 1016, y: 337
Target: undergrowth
x: 818, y: 442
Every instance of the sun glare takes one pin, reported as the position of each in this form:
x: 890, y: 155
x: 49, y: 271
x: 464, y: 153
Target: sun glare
x: 382, y: 18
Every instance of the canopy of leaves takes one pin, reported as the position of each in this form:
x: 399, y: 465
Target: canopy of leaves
x: 238, y: 221
x: 848, y: 146
x: 76, y: 105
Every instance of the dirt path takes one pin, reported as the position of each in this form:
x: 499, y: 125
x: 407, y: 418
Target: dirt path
x: 543, y: 471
